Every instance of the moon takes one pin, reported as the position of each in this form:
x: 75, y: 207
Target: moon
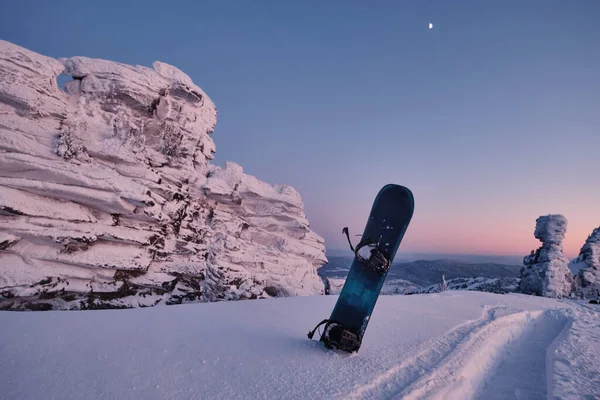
x: 430, y: 25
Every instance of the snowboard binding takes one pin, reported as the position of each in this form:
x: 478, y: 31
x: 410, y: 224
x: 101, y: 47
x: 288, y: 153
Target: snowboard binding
x: 336, y: 336
x: 376, y: 260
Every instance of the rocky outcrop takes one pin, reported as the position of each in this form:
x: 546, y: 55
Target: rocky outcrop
x: 588, y: 277
x: 108, y: 197
x: 546, y: 271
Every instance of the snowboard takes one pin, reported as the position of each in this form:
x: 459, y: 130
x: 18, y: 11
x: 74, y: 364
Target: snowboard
x: 388, y: 220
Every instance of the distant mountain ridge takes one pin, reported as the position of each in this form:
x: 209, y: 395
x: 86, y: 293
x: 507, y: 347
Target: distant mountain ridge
x: 467, y: 258
x: 424, y: 273
x: 480, y: 284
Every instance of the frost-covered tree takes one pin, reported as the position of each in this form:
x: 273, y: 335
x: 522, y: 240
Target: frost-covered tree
x: 327, y: 286
x: 443, y: 285
x: 546, y: 270
x: 588, y: 278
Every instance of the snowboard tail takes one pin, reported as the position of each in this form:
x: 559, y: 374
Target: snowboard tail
x: 388, y: 220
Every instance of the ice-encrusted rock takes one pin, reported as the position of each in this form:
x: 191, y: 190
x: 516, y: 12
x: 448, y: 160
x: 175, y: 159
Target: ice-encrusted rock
x: 546, y: 270
x: 551, y: 229
x: 588, y: 277
x: 108, y: 199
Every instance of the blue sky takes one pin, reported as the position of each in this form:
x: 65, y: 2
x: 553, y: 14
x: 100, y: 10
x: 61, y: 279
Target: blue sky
x: 491, y: 118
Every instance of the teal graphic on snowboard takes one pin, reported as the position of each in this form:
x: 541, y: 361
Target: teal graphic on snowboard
x: 389, y: 218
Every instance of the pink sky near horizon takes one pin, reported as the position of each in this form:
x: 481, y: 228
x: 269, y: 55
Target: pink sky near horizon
x: 521, y: 242
x: 481, y: 226
x: 516, y: 242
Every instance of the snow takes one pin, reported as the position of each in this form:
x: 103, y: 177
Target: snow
x: 457, y: 344
x: 108, y: 187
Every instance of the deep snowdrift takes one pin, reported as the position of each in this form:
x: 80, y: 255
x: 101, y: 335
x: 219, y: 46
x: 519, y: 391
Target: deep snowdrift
x: 457, y: 343
x: 107, y: 197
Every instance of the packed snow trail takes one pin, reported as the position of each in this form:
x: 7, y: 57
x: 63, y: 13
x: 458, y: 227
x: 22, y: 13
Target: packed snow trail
x: 492, y: 353
x: 467, y: 356
x: 417, y: 346
x: 399, y: 376
x: 531, y: 354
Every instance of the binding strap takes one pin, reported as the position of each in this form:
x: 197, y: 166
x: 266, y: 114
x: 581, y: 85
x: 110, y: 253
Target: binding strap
x: 312, y: 333
x: 377, y: 259
x: 345, y: 231
x: 335, y: 335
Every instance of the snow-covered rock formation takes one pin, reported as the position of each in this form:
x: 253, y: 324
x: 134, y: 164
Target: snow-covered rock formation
x: 588, y: 277
x: 108, y: 199
x: 546, y: 270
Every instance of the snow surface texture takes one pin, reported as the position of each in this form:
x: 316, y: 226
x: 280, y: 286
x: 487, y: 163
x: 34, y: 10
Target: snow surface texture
x: 588, y: 277
x: 453, y: 345
x: 108, y: 199
x: 546, y: 271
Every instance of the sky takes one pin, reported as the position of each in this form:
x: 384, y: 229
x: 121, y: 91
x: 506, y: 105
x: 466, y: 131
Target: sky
x: 491, y: 118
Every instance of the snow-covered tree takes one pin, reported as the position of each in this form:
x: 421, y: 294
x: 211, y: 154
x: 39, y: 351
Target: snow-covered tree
x: 334, y: 285
x: 546, y: 270
x: 443, y: 285
x: 588, y: 278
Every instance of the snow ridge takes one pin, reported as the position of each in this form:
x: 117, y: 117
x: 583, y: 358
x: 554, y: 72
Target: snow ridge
x: 482, y: 284
x: 108, y: 197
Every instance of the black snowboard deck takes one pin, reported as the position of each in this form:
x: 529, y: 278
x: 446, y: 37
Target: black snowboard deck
x: 389, y: 218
